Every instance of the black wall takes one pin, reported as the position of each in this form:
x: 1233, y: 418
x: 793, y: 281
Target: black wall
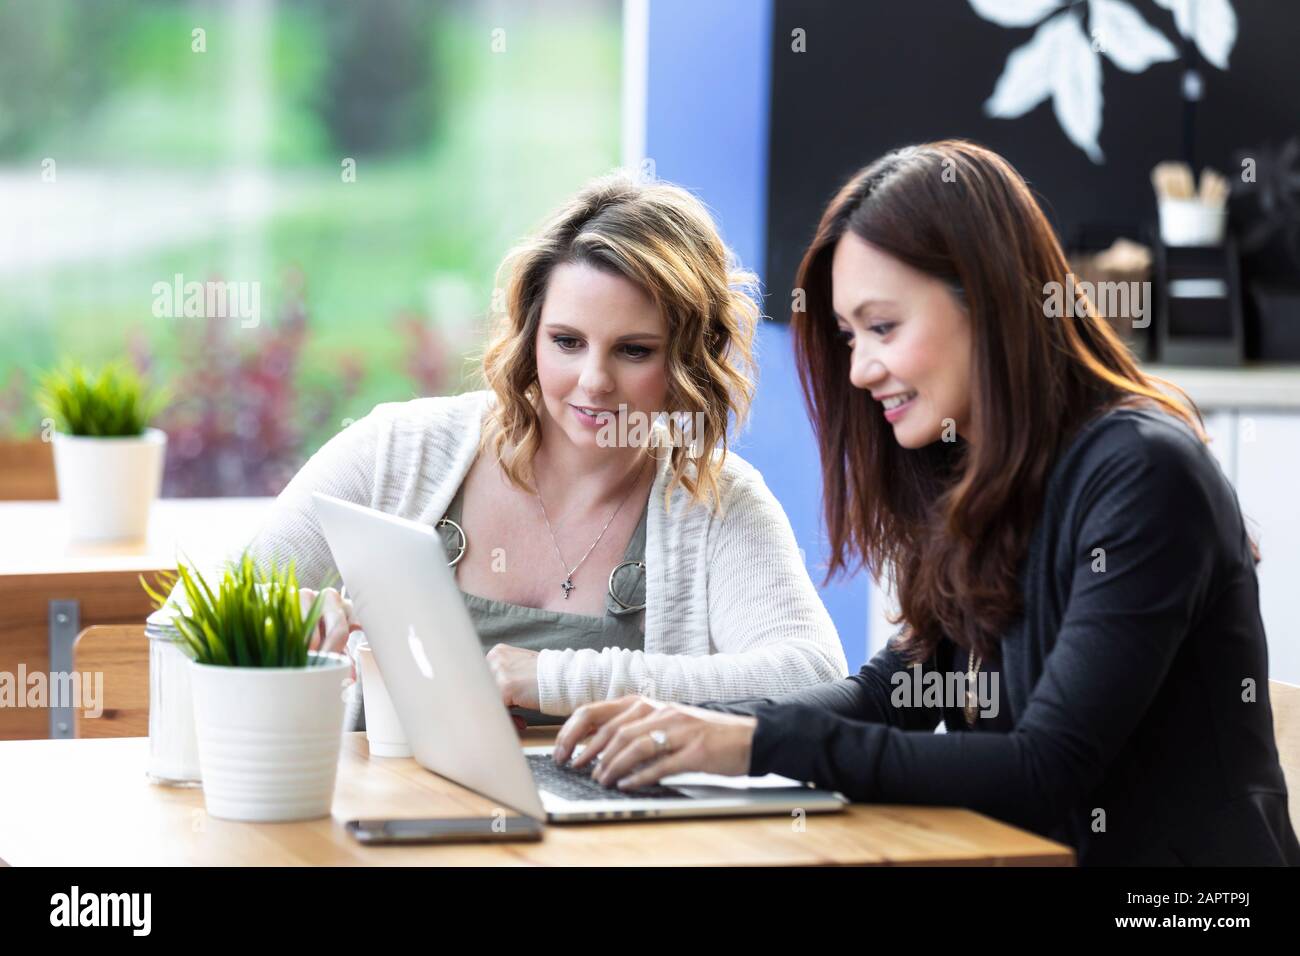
x: 879, y: 74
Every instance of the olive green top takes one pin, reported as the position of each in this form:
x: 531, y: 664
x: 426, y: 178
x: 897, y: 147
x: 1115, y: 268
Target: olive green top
x: 499, y: 622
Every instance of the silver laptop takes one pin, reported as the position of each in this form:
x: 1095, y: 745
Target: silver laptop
x: 433, y: 665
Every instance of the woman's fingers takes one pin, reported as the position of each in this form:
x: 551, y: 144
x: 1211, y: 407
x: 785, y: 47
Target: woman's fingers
x: 632, y: 746
x: 600, y: 739
x: 335, y: 624
x: 584, y: 721
x: 335, y: 620
x: 676, y: 762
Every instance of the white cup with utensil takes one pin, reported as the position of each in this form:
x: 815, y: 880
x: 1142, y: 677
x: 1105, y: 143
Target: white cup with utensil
x: 1188, y: 216
x: 383, y: 728
x: 1190, y: 222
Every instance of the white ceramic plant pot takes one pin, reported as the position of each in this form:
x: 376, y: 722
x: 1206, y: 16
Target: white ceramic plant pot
x: 106, y: 485
x: 269, y: 738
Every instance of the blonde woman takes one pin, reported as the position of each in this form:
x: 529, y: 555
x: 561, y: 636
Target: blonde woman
x: 598, y: 555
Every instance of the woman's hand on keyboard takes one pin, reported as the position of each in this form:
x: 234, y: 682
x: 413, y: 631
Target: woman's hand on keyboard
x: 638, y: 741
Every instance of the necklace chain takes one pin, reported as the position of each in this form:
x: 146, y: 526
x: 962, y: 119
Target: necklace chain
x: 567, y: 584
x: 973, y: 662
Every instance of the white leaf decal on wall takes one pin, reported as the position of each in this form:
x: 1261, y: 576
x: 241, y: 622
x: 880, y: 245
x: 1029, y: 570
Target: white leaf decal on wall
x: 1026, y: 80
x: 1014, y: 13
x: 1058, y: 61
x: 1126, y: 39
x: 1062, y: 62
x: 1076, y: 87
x: 1212, y: 24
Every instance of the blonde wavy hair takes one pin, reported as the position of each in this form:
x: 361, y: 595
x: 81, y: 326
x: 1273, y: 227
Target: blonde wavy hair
x: 662, y: 239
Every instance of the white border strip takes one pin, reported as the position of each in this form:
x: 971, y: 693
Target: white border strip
x: 636, y: 73
x: 880, y: 604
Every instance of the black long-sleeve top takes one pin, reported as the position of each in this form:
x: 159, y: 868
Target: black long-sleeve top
x: 1140, y: 725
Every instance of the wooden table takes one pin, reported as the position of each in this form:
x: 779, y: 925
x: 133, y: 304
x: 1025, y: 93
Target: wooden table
x: 87, y: 803
x: 52, y: 586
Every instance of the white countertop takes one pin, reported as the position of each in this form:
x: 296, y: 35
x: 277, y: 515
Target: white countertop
x: 35, y: 537
x: 1258, y: 386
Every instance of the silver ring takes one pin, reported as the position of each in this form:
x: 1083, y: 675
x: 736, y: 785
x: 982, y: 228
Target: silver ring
x: 617, y: 600
x: 464, y: 541
x: 660, y: 738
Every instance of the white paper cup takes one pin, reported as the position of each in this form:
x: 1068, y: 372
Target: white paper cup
x: 383, y: 728
x: 1189, y: 222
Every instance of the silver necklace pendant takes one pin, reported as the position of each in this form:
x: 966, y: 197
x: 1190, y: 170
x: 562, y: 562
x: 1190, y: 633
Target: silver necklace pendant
x: 568, y: 585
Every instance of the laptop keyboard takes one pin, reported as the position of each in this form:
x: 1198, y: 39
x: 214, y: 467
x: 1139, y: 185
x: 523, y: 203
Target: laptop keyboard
x: 576, y: 783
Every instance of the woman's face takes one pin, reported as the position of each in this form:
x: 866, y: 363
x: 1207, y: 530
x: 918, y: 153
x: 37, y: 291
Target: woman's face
x: 601, y: 343
x: 911, y: 341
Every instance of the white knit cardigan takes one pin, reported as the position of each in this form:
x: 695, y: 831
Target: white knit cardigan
x: 730, y: 610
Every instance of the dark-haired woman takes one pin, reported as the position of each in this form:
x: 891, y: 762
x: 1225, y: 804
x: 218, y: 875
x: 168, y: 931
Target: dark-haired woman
x: 1064, y: 549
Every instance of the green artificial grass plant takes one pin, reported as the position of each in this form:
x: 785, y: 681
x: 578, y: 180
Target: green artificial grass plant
x: 113, y: 402
x: 253, y: 619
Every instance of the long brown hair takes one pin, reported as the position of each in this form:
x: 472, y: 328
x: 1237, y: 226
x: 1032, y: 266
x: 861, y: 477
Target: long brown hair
x: 948, y: 524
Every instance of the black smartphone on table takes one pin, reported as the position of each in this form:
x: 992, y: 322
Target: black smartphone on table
x: 494, y: 829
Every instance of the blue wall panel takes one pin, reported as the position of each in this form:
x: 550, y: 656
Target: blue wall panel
x: 706, y: 128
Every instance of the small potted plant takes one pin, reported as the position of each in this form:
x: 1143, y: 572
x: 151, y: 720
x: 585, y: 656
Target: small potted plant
x: 108, y: 462
x: 268, y: 711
